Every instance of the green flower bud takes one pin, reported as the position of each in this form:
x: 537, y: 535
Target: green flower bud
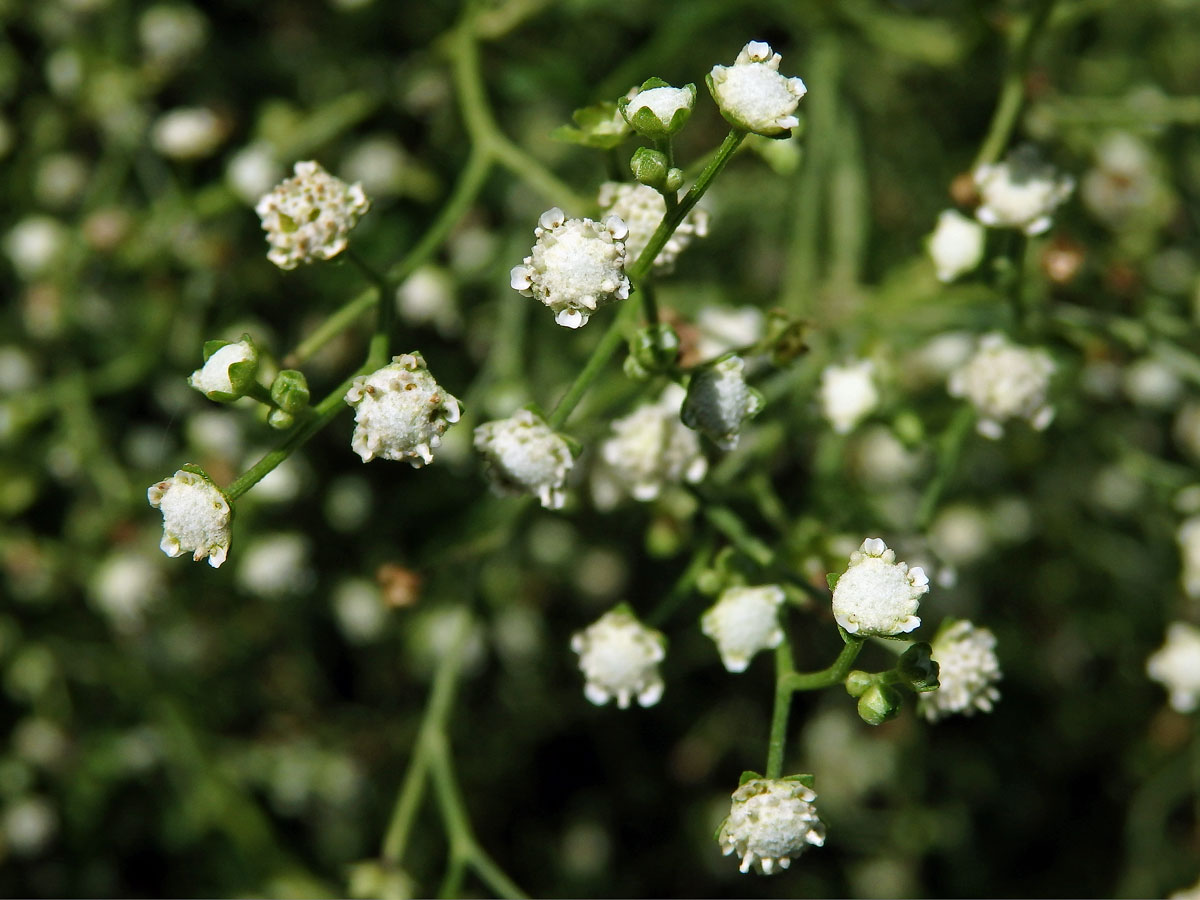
x: 918, y: 668
x: 674, y: 179
x: 657, y: 110
x: 289, y: 391
x: 857, y: 682
x: 879, y: 703
x: 652, y: 350
x: 649, y: 167
x: 280, y: 419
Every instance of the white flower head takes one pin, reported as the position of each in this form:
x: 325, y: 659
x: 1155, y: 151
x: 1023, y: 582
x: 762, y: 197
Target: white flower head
x: 575, y: 267
x: 770, y: 822
x: 719, y: 402
x: 524, y: 455
x: 642, y: 208
x: 651, y: 448
x: 848, y: 394
x: 667, y: 108
x: 619, y: 658
x: 227, y: 371
x: 195, y: 514
x: 1021, y: 192
x: 1188, y: 538
x: 753, y: 96
x: 956, y: 245
x: 1176, y: 665
x: 876, y: 594
x: 743, y: 621
x: 400, y: 412
x: 310, y: 216
x: 190, y: 132
x: 967, y: 672
x: 1005, y: 381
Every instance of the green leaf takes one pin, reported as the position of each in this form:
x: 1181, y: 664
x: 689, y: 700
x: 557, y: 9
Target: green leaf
x: 832, y: 579
x: 748, y: 775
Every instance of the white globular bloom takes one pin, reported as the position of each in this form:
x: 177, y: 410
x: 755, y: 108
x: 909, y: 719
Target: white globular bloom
x: 524, y: 455
x: 619, y: 658
x: 190, y: 132
x: 1176, y: 665
x: 664, y: 102
x: 956, y: 245
x: 575, y: 267
x: 214, y: 379
x: 1188, y: 538
x: 1021, y: 192
x: 1005, y: 381
x: 719, y: 402
x: 651, y: 448
x: 642, y: 208
x: 400, y: 412
x: 196, y: 517
x: 848, y: 394
x: 751, y: 93
x: 743, y: 621
x: 876, y: 594
x: 967, y: 672
x: 770, y: 822
x: 310, y: 216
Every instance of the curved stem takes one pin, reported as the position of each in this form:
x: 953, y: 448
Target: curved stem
x: 828, y: 677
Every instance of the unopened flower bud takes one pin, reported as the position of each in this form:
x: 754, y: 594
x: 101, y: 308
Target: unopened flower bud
x: 228, y: 371
x: 858, y: 681
x: 879, y: 703
x: 918, y: 668
x: 289, y: 391
x: 649, y: 167
x: 657, y: 110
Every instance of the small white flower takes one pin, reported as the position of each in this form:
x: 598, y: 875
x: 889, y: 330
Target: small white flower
x: 848, y: 394
x: 1188, y: 538
x: 1021, y: 192
x: 642, y: 208
x: 967, y: 672
x: 619, y: 658
x: 751, y: 93
x: 743, y: 621
x: 719, y: 402
x: 1176, y: 665
x: 956, y: 245
x: 400, y: 412
x: 876, y: 594
x: 310, y: 216
x: 124, y: 586
x: 575, y: 267
x: 522, y: 454
x: 770, y: 822
x: 214, y: 379
x: 195, y: 517
x: 190, y: 132
x: 427, y: 298
x: 1005, y: 381
x: 651, y: 448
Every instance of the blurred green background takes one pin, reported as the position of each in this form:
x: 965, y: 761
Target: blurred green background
x: 175, y: 730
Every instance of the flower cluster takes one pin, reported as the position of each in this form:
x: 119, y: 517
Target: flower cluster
x: 770, y: 822
x: 310, y: 216
x: 1021, y: 192
x: 651, y: 448
x: 642, y: 208
x: 195, y: 514
x: 967, y: 672
x: 524, y: 455
x: 876, y: 594
x: 719, y: 402
x: 1005, y: 381
x: 619, y: 658
x: 400, y: 412
x: 753, y: 96
x: 743, y: 621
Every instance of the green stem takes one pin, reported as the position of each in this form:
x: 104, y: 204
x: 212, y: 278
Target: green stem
x: 729, y: 524
x: 649, y: 303
x: 1012, y: 91
x: 683, y: 586
x: 949, y: 449
x: 783, y: 705
x: 613, y: 338
x: 828, y: 677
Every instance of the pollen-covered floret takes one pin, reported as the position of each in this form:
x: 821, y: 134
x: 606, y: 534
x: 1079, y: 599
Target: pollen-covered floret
x: 524, y: 455
x: 751, y: 93
x: 400, y: 412
x: 1005, y: 381
x: 876, y: 594
x: 770, y: 822
x: 651, y: 448
x: 195, y: 515
x: 619, y: 657
x: 642, y: 208
x: 956, y: 245
x: 1021, y: 192
x: 576, y: 266
x: 967, y: 672
x: 743, y: 621
x: 719, y: 402
x: 1176, y: 665
x: 848, y: 394
x: 310, y: 216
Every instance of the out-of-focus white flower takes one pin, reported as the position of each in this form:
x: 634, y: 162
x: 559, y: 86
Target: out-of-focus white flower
x: 1187, y: 893
x: 751, y: 93
x: 1005, y: 381
x: 225, y: 373
x: 724, y: 329
x: 1186, y: 428
x: 379, y: 163
x: 959, y: 534
x: 400, y: 412
x: 967, y: 672
x: 879, y: 458
x: 770, y: 822
x: 719, y: 402
x: 124, y: 587
x: 361, y: 613
x: 619, y: 658
x: 876, y: 594
x: 29, y: 824
x: 642, y: 208
x: 1152, y: 383
x: 524, y: 455
x: 651, y: 448
x: 848, y: 394
x: 171, y: 32
x: 17, y: 370
x: 60, y: 179
x: 427, y: 298
x: 310, y: 216
x: 190, y: 132
x: 275, y: 565
x: 743, y: 621
x: 956, y: 245
x: 1188, y: 538
x: 575, y: 266
x: 1021, y: 192
x: 35, y: 245
x: 195, y: 517
x: 252, y: 171
x: 1176, y: 665
x: 1125, y: 187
